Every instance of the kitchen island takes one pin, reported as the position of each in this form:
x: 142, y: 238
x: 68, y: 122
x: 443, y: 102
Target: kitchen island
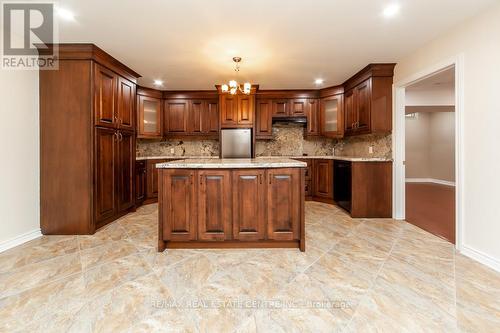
x: 231, y: 203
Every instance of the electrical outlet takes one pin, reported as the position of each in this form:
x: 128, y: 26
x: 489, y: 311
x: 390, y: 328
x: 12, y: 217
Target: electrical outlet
x: 172, y: 151
x: 370, y: 150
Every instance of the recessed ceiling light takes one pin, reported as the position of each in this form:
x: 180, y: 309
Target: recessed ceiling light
x: 158, y: 82
x: 391, y: 10
x: 319, y: 81
x: 65, y: 14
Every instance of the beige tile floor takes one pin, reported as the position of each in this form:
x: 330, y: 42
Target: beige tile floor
x: 356, y: 276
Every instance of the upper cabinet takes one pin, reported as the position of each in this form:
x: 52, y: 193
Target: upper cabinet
x: 331, y: 116
x: 237, y: 110
x: 188, y: 118
x: 368, y: 100
x: 312, y: 115
x: 149, y: 113
x: 264, y: 120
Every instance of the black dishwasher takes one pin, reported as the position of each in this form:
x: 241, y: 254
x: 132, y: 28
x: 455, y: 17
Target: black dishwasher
x: 342, y: 184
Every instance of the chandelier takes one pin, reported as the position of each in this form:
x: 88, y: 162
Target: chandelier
x: 233, y: 87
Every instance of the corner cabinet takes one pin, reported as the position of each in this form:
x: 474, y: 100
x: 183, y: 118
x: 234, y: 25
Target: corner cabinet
x: 332, y: 116
x: 368, y: 100
x: 149, y: 114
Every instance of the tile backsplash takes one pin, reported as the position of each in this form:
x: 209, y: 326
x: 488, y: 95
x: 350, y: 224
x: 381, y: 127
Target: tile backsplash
x: 288, y: 140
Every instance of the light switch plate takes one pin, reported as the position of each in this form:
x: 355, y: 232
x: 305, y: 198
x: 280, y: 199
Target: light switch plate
x: 172, y: 151
x: 370, y: 150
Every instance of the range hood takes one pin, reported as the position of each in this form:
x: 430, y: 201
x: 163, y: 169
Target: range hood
x: 290, y: 120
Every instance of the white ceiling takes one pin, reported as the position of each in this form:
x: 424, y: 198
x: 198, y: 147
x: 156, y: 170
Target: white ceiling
x: 284, y: 44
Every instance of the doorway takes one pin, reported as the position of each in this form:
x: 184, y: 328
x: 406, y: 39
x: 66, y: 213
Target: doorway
x: 430, y: 154
x: 453, y: 187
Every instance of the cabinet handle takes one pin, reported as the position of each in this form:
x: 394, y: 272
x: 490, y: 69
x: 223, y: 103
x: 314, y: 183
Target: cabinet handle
x: 260, y: 179
x: 270, y: 179
x: 192, y: 179
x: 115, y: 136
x: 201, y: 180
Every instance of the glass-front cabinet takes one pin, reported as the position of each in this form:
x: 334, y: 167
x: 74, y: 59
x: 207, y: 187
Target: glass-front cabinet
x: 149, y: 117
x: 331, y: 116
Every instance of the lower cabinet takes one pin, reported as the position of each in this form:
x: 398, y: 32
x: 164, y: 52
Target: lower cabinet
x: 214, y: 205
x: 249, y: 205
x: 179, y: 213
x: 283, y: 191
x: 140, y: 182
x: 225, y: 205
x: 152, y: 179
x: 114, y: 172
x: 323, y: 179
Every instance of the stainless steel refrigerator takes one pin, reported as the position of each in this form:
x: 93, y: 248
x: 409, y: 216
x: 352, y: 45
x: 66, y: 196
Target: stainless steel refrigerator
x: 236, y: 143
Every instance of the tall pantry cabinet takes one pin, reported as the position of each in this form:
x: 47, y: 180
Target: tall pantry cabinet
x: 87, y: 141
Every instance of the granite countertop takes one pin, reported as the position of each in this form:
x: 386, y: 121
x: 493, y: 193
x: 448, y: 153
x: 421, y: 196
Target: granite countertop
x: 170, y: 157
x: 340, y: 158
x: 232, y: 163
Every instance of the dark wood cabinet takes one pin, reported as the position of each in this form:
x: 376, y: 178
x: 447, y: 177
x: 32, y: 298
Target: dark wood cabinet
x: 178, y: 207
x: 298, y: 107
x: 323, y: 178
x: 126, y: 104
x: 332, y: 116
x: 185, y: 118
x: 308, y: 175
x: 115, y: 155
x: 313, y: 117
x: 281, y: 107
x: 283, y: 191
x: 249, y: 204
x: 152, y: 178
x: 176, y: 117
x: 369, y: 100
x: 105, y: 96
x: 140, y: 182
x: 106, y: 156
x: 149, y: 114
x: 125, y: 170
x: 236, y: 110
x: 214, y: 205
x: 264, y: 123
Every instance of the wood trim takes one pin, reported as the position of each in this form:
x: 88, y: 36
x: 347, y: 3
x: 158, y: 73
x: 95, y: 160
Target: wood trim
x: 89, y: 51
x: 148, y: 92
x: 371, y: 70
x: 331, y: 91
x: 291, y: 93
x: 229, y: 244
x: 190, y: 94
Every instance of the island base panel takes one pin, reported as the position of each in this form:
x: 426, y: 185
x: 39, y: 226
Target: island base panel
x: 231, y: 245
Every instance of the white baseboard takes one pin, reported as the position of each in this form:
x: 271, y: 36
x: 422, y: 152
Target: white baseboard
x: 430, y: 180
x: 18, y: 240
x: 481, y: 257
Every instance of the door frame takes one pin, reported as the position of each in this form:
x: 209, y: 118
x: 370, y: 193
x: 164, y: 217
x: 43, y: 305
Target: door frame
x: 398, y: 142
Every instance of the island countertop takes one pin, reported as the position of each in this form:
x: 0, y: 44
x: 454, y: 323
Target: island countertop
x: 232, y: 163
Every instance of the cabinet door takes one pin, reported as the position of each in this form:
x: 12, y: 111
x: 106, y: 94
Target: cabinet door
x: 140, y: 182
x: 214, y: 205
x: 298, y: 107
x: 210, y: 121
x: 105, y: 97
x: 126, y: 104
x: 125, y: 170
x: 264, y: 127
x: 312, y: 114
x: 246, y: 109
x: 152, y: 178
x: 363, y: 106
x: 176, y: 117
x: 323, y: 179
x: 105, y: 169
x: 149, y: 116
x: 178, y: 213
x: 350, y: 112
x: 331, y: 118
x: 249, y: 205
x: 283, y: 212
x: 228, y: 111
x: 280, y: 108
x: 195, y: 118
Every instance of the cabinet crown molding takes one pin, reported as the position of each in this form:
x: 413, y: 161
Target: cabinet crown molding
x: 372, y: 70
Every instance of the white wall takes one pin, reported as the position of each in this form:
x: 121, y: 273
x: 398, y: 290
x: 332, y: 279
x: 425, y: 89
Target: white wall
x: 479, y: 42
x: 19, y: 170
